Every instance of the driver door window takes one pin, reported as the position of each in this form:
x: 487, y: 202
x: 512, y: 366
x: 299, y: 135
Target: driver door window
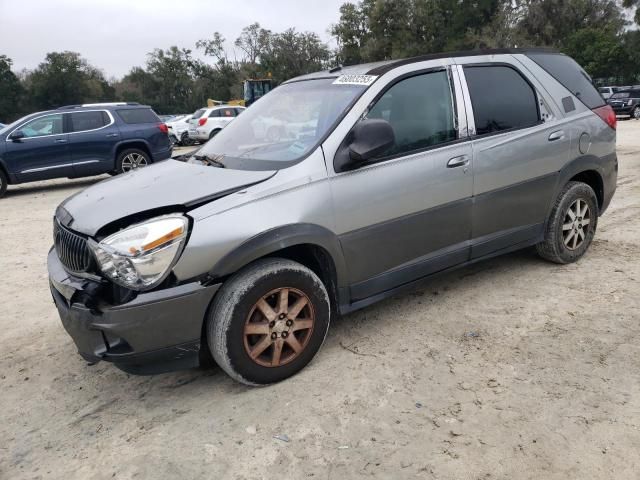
x: 421, y: 111
x: 48, y: 125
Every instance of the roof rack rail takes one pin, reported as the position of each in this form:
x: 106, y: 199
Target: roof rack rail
x: 104, y: 104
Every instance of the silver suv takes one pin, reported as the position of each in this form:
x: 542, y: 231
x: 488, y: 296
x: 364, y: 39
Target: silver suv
x: 386, y: 174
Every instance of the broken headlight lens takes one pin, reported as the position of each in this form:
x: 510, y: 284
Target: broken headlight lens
x: 141, y: 256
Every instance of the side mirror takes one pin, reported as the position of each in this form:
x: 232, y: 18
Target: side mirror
x: 17, y: 135
x: 368, y: 139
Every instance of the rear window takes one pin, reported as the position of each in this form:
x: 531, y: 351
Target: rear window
x: 571, y: 75
x: 138, y: 115
x: 198, y: 114
x: 621, y: 95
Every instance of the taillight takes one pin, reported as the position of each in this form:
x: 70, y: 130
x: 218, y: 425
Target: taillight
x: 607, y: 114
x: 202, y: 121
x: 163, y: 127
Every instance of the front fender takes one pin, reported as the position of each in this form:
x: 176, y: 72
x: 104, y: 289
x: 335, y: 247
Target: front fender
x: 273, y: 240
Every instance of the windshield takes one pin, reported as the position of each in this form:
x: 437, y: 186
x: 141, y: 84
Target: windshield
x: 621, y: 95
x: 282, y: 127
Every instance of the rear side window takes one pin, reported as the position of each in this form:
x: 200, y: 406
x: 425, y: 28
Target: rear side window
x: 198, y: 114
x: 420, y: 110
x: 501, y: 98
x: 571, y: 75
x: 215, y: 113
x: 81, y: 121
x: 138, y: 115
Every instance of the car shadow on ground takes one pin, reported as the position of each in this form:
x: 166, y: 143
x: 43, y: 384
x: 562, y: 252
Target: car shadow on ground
x: 29, y: 189
x: 374, y: 317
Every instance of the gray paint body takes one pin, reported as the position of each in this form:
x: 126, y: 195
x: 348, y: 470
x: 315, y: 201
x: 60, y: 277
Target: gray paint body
x: 384, y: 225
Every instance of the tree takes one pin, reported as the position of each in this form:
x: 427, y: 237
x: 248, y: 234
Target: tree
x: 66, y: 78
x: 11, y: 91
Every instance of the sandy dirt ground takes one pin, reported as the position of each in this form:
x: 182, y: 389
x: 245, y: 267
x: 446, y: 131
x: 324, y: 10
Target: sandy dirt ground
x: 512, y: 369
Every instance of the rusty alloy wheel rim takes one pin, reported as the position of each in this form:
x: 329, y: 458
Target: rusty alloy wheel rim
x: 278, y: 327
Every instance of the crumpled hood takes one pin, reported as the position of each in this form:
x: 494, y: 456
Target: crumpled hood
x: 164, y: 184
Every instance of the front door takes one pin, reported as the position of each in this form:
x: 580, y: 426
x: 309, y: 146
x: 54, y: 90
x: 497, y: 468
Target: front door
x: 409, y: 213
x: 43, y: 152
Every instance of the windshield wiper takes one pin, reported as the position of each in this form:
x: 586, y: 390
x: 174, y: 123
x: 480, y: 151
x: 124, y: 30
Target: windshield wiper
x: 214, y: 161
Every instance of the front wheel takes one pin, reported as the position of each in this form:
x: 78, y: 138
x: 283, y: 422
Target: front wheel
x: 636, y: 113
x: 4, y: 182
x: 268, y: 321
x: 571, y: 225
x: 132, y: 159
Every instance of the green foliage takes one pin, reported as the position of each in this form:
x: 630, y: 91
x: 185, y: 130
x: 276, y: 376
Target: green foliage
x: 65, y: 78
x: 11, y: 91
x: 594, y: 32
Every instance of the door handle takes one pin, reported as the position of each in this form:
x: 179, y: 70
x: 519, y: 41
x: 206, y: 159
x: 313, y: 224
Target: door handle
x: 60, y: 140
x: 111, y: 135
x: 460, y: 161
x: 559, y: 135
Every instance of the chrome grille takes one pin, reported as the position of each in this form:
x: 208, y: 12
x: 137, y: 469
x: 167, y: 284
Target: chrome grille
x: 72, y: 249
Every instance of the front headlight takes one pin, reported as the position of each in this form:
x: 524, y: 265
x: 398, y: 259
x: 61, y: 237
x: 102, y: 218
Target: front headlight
x: 140, y: 257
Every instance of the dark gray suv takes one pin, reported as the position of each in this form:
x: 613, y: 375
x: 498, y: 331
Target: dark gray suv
x: 382, y: 175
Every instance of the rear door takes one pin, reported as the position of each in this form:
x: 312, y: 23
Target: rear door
x: 43, y: 153
x: 518, y: 148
x: 93, y: 137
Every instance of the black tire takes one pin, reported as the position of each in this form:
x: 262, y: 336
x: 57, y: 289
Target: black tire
x: 636, y: 113
x: 561, y: 247
x: 4, y: 183
x: 185, y: 140
x: 125, y: 157
x: 214, y: 133
x: 236, y: 305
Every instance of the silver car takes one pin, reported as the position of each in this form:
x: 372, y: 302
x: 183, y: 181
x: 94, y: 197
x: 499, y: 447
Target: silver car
x: 395, y: 171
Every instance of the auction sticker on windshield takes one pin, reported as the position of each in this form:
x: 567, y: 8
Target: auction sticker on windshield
x: 355, y: 80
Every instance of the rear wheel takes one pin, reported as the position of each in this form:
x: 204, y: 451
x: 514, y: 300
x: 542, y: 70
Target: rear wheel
x: 185, y: 140
x: 4, y: 183
x: 132, y: 159
x: 268, y: 321
x: 214, y: 133
x: 571, y: 225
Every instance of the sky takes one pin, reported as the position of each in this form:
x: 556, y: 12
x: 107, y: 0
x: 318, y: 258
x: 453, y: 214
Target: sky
x: 115, y: 35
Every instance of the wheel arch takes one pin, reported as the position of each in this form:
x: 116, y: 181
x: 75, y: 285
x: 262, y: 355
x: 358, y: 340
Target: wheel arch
x: 139, y: 144
x: 5, y: 170
x: 586, y: 169
x: 313, y: 246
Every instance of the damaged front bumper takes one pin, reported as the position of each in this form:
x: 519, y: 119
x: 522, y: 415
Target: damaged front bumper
x: 155, y: 332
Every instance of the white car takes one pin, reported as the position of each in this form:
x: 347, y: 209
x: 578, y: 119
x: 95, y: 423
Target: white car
x: 179, y: 129
x: 207, y: 122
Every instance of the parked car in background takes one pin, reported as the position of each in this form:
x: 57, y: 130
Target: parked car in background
x: 606, y: 92
x: 179, y: 130
x: 414, y: 167
x: 208, y: 122
x: 80, y: 141
x: 626, y: 102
